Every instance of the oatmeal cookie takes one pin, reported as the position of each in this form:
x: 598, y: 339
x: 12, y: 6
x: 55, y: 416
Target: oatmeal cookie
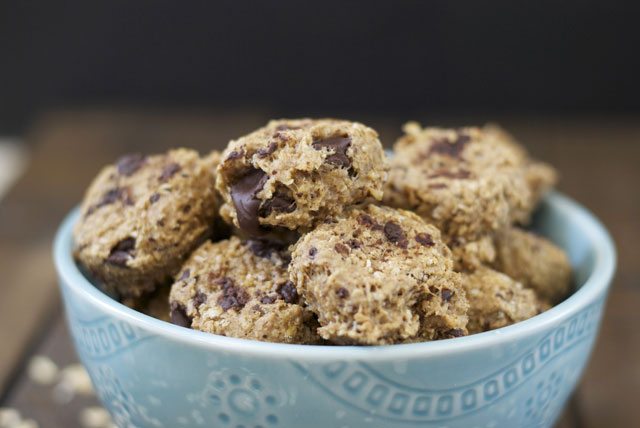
x: 495, y: 300
x: 241, y: 289
x: 294, y: 173
x: 536, y: 262
x: 140, y: 219
x: 379, y: 276
x: 470, y: 182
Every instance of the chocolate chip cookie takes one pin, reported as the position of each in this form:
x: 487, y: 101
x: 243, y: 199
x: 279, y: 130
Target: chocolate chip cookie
x: 536, y: 262
x: 468, y: 256
x: 140, y: 219
x: 470, y: 182
x: 495, y: 300
x: 379, y: 276
x: 294, y: 173
x: 241, y: 289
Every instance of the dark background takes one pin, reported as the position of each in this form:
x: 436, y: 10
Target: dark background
x: 83, y: 82
x: 314, y: 58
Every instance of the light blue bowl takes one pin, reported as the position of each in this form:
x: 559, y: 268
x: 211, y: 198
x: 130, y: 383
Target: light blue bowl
x: 149, y: 373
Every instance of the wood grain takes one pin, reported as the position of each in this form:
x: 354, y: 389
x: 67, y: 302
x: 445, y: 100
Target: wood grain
x: 599, y: 160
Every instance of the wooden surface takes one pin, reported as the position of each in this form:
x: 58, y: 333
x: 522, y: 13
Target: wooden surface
x: 599, y: 159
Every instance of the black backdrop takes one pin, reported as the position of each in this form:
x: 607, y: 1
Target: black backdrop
x: 297, y: 57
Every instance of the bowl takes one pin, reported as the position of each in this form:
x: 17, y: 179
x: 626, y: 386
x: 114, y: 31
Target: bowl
x: 149, y: 373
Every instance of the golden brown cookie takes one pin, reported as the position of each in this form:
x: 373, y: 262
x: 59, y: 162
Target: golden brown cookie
x: 536, y: 262
x: 468, y: 256
x: 379, y: 276
x: 140, y: 219
x: 540, y: 176
x: 294, y: 173
x: 470, y: 182
x: 495, y: 300
x: 241, y: 289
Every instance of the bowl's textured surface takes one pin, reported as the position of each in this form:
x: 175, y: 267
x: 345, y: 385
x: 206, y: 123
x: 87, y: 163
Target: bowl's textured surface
x: 152, y: 374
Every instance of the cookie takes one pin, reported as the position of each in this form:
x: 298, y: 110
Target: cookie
x: 141, y: 217
x: 540, y: 176
x: 294, y: 173
x: 469, y: 182
x: 379, y: 276
x: 536, y: 262
x: 495, y: 300
x: 241, y: 289
x: 468, y: 256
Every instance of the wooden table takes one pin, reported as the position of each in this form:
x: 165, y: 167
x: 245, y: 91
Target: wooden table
x: 599, y: 159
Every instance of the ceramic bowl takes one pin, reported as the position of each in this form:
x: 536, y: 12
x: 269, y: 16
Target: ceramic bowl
x: 149, y: 373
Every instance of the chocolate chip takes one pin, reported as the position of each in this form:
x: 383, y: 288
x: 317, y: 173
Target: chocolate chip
x: 154, y: 198
x: 342, y: 293
x: 121, y: 252
x: 178, y: 315
x: 341, y: 249
x: 199, y: 299
x: 313, y: 251
x: 339, y: 145
x: 264, y: 248
x: 368, y: 222
x: 111, y: 196
x: 450, y: 148
x: 454, y: 332
x: 129, y: 164
x: 169, y: 171
x: 395, y: 234
x: 461, y: 174
x: 186, y: 209
x: 280, y: 202
x: 287, y: 290
x: 425, y: 239
x: 236, y: 154
x: 280, y: 136
x: 437, y: 186
x: 267, y: 300
x: 185, y: 275
x: 266, y: 151
x: 446, y: 294
x: 243, y: 194
x: 232, y: 295
x: 354, y: 243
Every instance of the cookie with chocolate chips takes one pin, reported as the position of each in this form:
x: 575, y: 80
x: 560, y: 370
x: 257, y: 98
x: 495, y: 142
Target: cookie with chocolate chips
x: 141, y: 217
x: 469, y: 182
x: 295, y: 173
x: 535, y: 261
x: 496, y: 300
x: 379, y: 275
x: 241, y: 289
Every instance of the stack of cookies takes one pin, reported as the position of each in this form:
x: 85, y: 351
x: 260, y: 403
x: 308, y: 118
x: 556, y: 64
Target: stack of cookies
x: 304, y: 232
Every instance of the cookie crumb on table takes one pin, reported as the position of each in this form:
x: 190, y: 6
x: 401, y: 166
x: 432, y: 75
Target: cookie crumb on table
x: 42, y: 370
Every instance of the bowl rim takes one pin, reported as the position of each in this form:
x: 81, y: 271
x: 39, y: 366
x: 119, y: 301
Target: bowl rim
x: 595, y: 285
